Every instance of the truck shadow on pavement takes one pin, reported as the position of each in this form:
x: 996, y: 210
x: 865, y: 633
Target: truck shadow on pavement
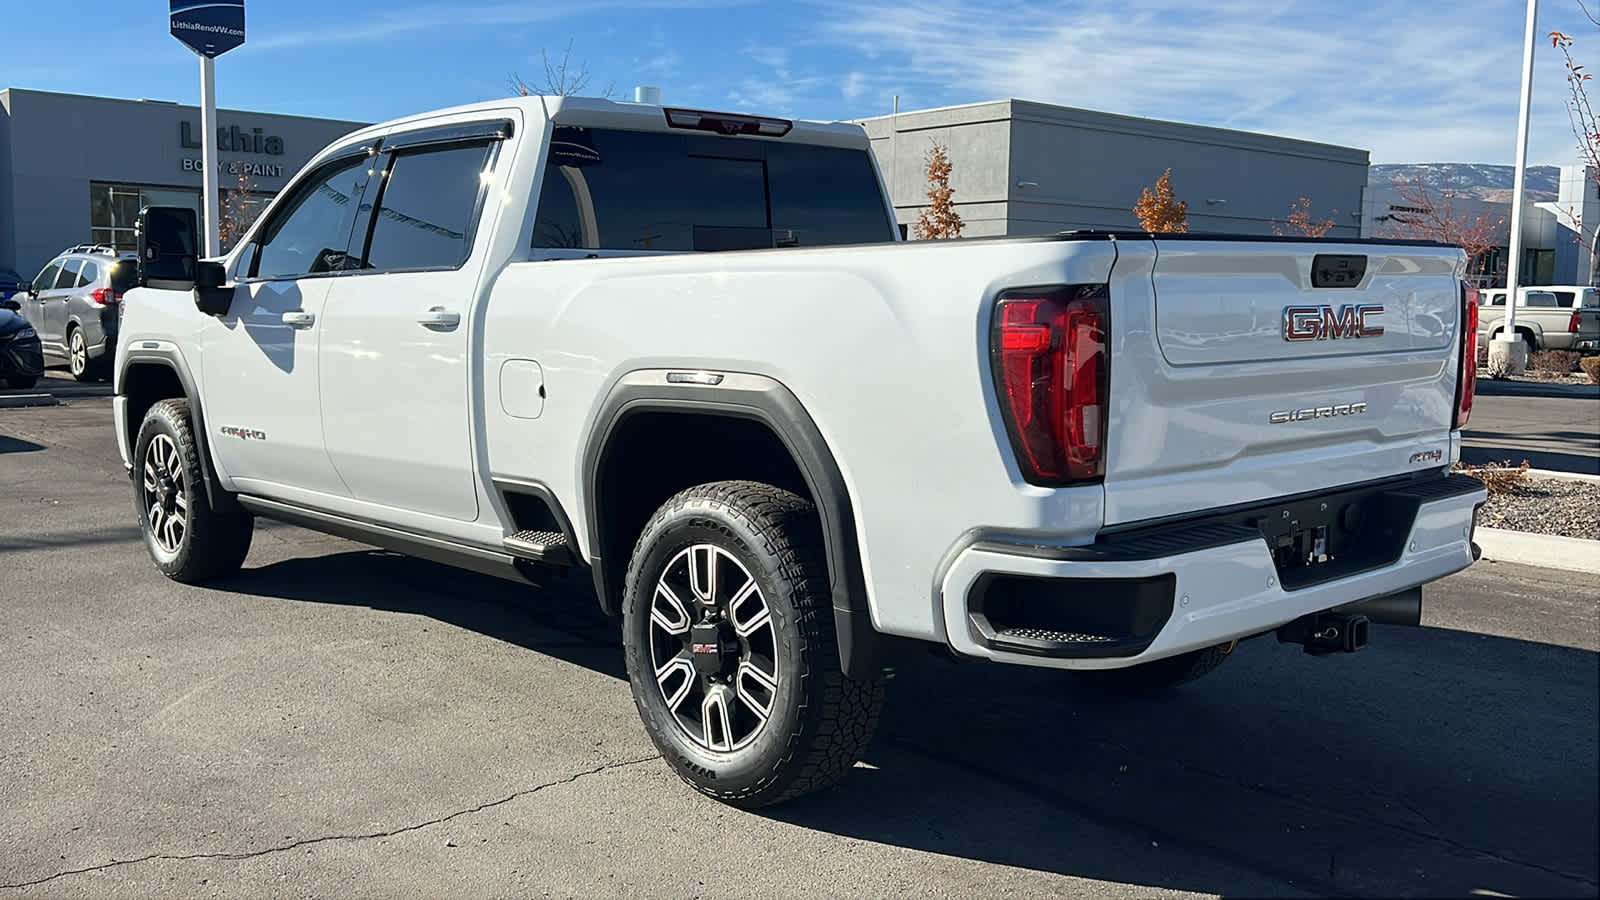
x: 1435, y: 762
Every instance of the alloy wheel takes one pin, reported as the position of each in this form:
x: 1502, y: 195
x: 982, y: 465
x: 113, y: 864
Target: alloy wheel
x: 714, y: 648
x: 79, y: 353
x: 166, y: 496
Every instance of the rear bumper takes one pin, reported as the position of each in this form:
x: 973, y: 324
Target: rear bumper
x: 1175, y: 588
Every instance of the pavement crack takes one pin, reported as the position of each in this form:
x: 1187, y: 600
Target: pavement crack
x: 367, y: 836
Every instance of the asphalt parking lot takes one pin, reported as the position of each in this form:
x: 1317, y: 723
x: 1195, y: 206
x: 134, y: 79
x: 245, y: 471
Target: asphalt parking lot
x: 341, y: 721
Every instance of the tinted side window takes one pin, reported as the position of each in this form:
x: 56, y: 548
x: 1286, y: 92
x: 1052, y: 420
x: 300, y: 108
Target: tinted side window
x: 311, y: 234
x: 69, y: 274
x: 626, y: 190
x: 1564, y: 298
x: 47, y: 276
x: 825, y: 195
x: 426, y: 208
x: 90, y: 273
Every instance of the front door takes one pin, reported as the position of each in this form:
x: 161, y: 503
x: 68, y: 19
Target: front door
x: 57, y: 302
x: 261, y: 380
x: 396, y: 354
x: 33, y: 302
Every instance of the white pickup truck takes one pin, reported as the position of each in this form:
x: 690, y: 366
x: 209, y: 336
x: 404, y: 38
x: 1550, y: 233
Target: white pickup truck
x: 684, y: 352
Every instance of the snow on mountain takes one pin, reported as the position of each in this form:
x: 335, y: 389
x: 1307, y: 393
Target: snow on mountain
x: 1492, y: 183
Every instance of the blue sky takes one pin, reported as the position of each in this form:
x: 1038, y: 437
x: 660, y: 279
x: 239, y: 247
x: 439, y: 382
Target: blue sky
x: 1418, y: 81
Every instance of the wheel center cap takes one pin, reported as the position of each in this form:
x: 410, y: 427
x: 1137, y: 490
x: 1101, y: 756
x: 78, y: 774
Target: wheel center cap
x: 712, y: 645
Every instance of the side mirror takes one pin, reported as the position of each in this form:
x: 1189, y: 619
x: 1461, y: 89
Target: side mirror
x: 169, y: 248
x: 210, y: 296
x: 9, y: 303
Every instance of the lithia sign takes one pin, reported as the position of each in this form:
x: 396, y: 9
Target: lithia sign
x: 234, y: 139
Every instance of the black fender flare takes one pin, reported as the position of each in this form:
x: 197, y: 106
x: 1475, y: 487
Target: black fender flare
x: 218, y: 496
x: 769, y: 402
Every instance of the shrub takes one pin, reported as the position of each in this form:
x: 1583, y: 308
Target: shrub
x: 1558, y: 361
x: 1499, y: 478
x: 1591, y: 368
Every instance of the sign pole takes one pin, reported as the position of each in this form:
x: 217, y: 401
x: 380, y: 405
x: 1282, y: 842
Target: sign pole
x: 1520, y: 172
x: 208, y: 138
x: 210, y: 28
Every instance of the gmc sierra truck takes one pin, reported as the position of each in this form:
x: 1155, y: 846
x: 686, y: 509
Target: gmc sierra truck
x: 684, y: 353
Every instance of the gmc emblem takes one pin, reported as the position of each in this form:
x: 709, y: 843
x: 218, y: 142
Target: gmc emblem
x: 1323, y: 323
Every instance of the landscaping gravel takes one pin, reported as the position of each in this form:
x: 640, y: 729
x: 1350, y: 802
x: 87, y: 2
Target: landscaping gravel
x: 1546, y: 506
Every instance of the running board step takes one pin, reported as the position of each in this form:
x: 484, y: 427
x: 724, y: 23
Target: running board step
x: 547, y: 547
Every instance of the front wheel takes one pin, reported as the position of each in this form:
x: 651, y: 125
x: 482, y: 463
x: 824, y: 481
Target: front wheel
x: 188, y: 539
x: 730, y: 646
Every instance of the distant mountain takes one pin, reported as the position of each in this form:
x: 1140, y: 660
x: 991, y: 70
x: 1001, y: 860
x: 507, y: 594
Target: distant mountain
x: 1491, y: 183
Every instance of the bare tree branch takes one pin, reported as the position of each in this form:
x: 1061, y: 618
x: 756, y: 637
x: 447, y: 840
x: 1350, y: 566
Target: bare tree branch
x: 561, y: 79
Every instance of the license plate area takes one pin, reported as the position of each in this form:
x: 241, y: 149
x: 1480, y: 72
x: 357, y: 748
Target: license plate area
x: 1335, y: 535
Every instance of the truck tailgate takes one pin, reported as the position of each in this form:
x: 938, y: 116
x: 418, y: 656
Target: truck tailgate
x: 1249, y: 370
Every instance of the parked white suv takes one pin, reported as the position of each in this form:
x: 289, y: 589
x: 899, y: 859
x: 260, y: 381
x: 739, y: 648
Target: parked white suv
x: 683, y: 351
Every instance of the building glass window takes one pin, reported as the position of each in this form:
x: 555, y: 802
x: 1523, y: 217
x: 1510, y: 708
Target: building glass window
x: 114, y: 210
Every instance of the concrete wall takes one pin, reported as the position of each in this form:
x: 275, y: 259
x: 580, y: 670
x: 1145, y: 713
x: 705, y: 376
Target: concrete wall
x: 979, y: 142
x: 53, y: 145
x: 1027, y: 168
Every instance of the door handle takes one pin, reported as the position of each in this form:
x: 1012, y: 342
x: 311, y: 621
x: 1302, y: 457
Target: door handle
x: 440, y: 317
x: 299, y: 319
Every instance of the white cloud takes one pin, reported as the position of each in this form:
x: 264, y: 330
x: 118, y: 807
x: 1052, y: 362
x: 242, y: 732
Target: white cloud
x: 1409, y: 82
x: 854, y: 84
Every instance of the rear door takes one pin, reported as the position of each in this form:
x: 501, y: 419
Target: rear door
x: 396, y: 373
x: 1254, y: 370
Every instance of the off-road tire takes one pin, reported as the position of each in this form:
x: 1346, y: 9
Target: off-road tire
x: 213, y: 542
x: 1155, y: 677
x: 820, y: 721
x: 21, y: 382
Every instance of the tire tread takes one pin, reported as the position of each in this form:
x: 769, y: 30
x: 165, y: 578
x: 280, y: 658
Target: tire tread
x: 833, y: 735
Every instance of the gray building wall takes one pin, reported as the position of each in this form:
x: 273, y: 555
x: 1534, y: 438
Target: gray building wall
x: 1027, y: 168
x: 52, y: 146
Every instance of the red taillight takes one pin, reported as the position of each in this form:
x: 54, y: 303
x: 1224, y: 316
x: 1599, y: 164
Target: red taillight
x: 1052, y: 374
x: 1574, y: 323
x: 1466, y: 383
x: 106, y: 296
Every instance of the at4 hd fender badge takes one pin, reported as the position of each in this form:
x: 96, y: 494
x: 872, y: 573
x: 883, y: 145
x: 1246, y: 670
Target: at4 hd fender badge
x: 243, y: 434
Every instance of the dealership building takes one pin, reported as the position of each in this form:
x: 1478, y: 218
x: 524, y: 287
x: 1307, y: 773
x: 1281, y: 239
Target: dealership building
x: 76, y: 169
x: 1019, y: 167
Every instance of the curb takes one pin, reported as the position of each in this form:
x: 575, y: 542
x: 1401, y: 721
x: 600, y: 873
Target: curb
x: 1554, y: 475
x: 1544, y: 550
x: 22, y: 401
x: 1489, y: 387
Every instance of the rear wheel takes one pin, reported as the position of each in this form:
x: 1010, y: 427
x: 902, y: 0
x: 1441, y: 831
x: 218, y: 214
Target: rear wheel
x: 188, y: 540
x: 731, y: 653
x: 78, y: 362
x: 1155, y: 677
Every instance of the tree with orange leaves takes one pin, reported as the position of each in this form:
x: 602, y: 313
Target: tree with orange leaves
x: 939, y: 220
x: 1160, y: 211
x: 1301, y: 223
